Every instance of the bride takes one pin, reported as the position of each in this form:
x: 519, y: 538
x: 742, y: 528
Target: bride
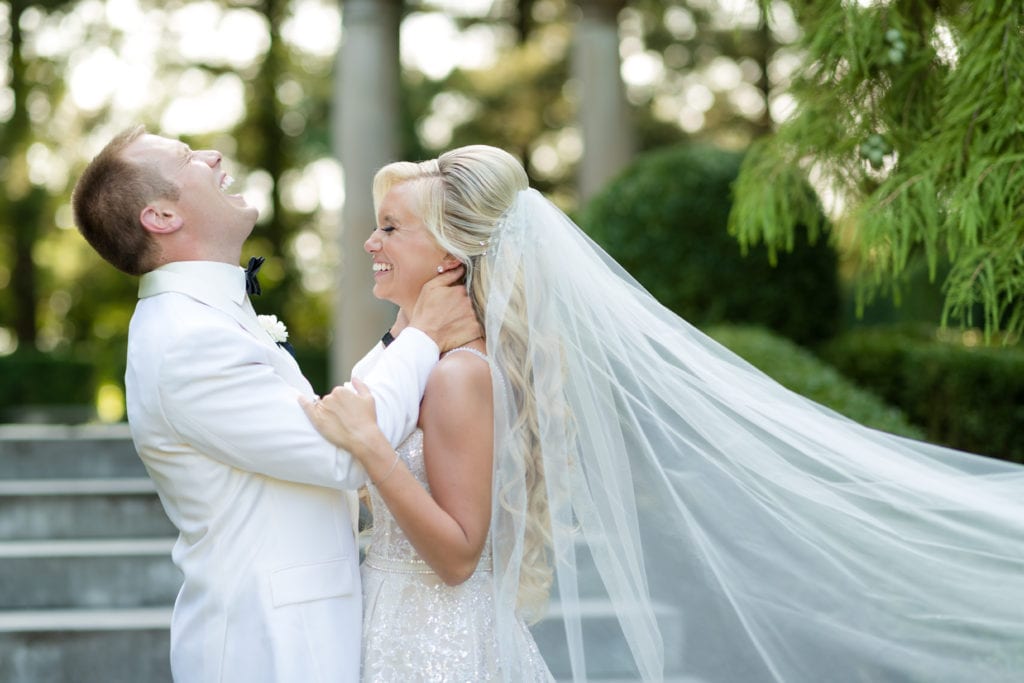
x: 678, y: 513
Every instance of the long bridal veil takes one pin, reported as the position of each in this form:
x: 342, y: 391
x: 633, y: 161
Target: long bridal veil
x: 706, y: 524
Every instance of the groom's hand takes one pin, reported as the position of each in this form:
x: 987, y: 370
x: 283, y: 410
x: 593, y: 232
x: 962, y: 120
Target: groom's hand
x: 443, y: 311
x: 347, y: 417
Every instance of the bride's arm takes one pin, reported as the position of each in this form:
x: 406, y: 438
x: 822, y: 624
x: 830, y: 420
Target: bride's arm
x: 447, y: 526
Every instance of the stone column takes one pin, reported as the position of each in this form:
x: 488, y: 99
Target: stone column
x: 603, y: 114
x: 365, y: 136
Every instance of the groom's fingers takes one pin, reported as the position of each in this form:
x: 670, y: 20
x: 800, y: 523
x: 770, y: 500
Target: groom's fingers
x: 361, y: 388
x: 309, y: 406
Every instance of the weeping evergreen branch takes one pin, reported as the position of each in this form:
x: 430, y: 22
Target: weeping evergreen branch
x: 911, y: 112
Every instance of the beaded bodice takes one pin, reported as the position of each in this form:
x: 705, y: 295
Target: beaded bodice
x: 389, y: 548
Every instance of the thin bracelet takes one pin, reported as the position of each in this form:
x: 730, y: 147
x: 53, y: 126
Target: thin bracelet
x: 384, y: 478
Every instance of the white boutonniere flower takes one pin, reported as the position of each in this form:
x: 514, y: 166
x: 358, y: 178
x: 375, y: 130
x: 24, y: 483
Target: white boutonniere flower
x: 274, y: 327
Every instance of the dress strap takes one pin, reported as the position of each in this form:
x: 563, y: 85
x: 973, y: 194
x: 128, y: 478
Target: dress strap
x: 479, y: 354
x: 486, y: 359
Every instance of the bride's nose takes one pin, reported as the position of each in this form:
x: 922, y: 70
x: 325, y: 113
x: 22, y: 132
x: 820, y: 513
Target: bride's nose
x: 372, y: 243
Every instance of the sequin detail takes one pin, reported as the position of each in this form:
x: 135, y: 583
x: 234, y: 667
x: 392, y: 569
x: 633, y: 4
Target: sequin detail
x: 415, y: 627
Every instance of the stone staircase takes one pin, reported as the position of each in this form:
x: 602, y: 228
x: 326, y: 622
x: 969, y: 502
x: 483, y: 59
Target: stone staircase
x: 86, y: 580
x: 87, y: 584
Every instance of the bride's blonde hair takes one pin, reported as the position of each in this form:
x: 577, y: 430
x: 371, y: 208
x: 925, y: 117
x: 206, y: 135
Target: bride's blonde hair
x: 462, y: 196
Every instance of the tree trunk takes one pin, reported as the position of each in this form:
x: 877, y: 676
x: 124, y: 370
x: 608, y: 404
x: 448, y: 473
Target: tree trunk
x: 365, y: 131
x: 603, y: 112
x: 24, y: 204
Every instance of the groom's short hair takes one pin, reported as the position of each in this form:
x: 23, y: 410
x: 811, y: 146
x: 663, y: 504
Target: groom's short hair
x: 108, y: 200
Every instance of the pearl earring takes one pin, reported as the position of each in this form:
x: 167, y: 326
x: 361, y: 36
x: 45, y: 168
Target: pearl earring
x: 440, y: 269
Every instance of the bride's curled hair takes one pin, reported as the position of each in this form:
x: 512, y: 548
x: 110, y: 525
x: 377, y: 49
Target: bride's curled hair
x: 462, y: 195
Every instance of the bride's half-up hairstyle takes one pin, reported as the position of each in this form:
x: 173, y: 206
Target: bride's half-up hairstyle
x: 463, y: 195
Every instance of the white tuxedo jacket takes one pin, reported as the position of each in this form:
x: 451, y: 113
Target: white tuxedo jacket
x: 271, y: 588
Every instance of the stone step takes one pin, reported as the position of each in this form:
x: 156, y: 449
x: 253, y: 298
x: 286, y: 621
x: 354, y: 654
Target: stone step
x: 97, y: 573
x: 81, y: 508
x: 608, y: 656
x: 38, y: 644
x: 67, y: 452
x: 65, y: 646
x: 66, y: 620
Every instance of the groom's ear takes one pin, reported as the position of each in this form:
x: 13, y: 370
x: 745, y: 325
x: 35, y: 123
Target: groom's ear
x: 160, y: 218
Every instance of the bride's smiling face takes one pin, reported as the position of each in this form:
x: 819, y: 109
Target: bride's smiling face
x: 404, y: 252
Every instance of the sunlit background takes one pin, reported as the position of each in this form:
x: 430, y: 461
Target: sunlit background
x: 190, y: 69
x: 257, y: 79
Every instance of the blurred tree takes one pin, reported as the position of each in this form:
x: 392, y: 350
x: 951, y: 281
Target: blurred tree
x: 241, y: 76
x: 266, y: 147
x: 704, y: 66
x: 692, y: 68
x: 25, y: 203
x: 908, y: 116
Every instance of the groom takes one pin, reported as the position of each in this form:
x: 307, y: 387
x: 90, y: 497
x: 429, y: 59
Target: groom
x: 271, y: 588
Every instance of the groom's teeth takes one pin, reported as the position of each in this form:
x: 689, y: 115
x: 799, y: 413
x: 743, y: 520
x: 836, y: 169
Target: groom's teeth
x: 380, y: 267
x: 226, y: 182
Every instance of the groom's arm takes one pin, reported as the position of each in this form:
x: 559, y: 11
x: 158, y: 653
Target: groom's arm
x: 218, y: 391
x: 398, y: 379
x: 442, y: 318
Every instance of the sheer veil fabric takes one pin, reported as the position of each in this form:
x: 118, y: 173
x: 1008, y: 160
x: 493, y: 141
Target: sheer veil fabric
x: 710, y: 525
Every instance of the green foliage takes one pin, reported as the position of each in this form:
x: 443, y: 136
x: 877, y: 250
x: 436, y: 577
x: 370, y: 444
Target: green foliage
x: 664, y: 219
x: 313, y: 362
x: 970, y: 398
x: 519, y: 103
x: 31, y: 379
x: 801, y: 371
x: 910, y: 112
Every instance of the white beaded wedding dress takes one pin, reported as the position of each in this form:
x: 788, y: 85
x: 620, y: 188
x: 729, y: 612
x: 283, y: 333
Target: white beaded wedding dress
x: 416, y: 628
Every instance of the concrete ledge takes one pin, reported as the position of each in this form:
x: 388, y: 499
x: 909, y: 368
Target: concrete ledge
x: 23, y: 621
x: 107, y: 486
x: 25, y: 432
x: 87, y: 548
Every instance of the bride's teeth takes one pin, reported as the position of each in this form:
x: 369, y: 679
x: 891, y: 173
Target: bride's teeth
x: 379, y: 267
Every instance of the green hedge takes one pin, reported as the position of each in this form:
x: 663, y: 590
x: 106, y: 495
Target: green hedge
x: 665, y: 220
x: 970, y: 398
x: 313, y: 363
x: 42, y: 386
x: 800, y: 370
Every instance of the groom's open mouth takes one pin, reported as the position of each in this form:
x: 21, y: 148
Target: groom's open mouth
x: 227, y: 181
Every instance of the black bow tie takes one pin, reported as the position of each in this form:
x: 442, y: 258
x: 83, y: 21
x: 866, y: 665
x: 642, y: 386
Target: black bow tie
x: 252, y: 284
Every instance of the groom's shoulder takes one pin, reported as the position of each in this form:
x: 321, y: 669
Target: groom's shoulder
x: 174, y: 315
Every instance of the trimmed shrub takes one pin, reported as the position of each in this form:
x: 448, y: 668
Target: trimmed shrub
x: 970, y: 398
x: 38, y: 386
x: 665, y: 220
x: 801, y: 371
